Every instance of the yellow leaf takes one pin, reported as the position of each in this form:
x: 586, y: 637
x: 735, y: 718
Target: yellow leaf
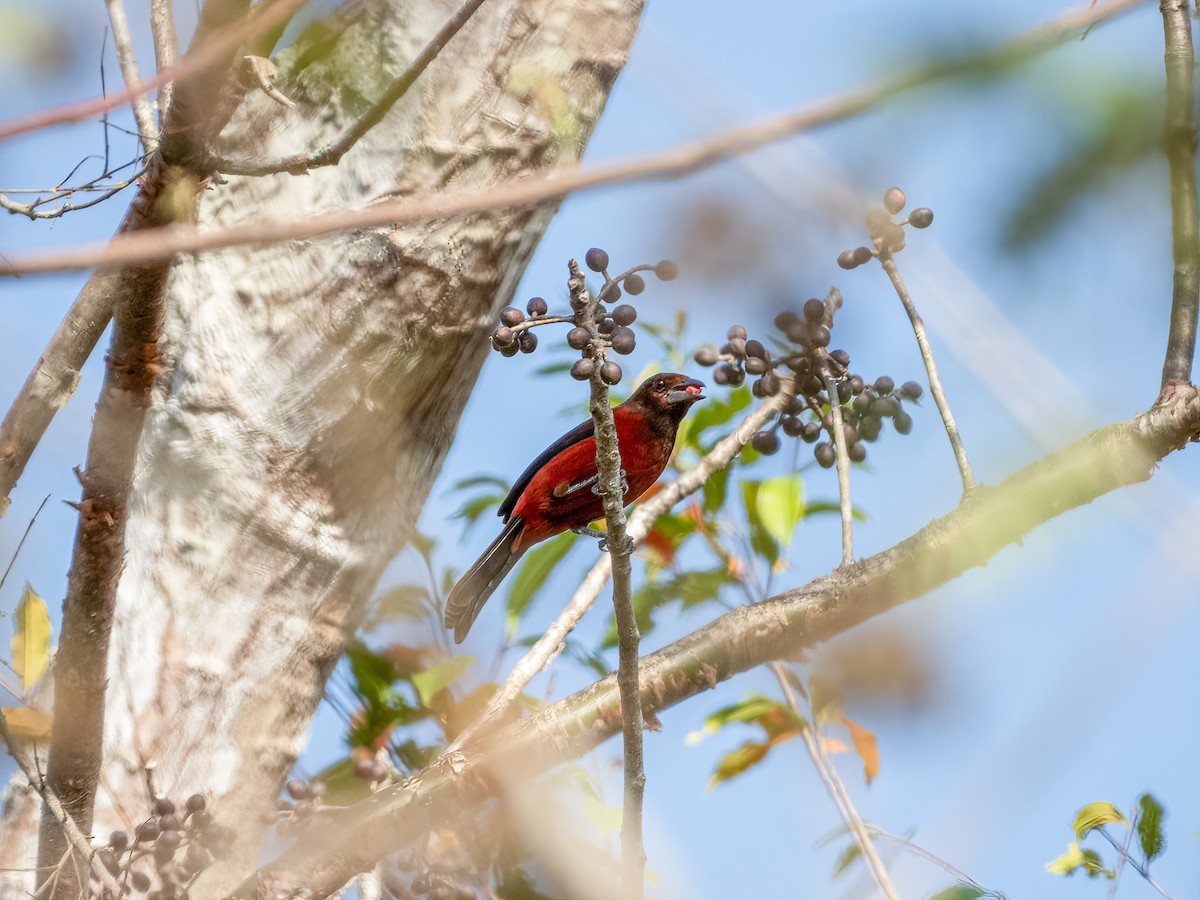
x: 24, y: 721
x: 31, y: 641
x: 1067, y: 863
x: 833, y: 745
x: 864, y: 743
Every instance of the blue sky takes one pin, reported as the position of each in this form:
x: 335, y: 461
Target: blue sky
x: 1064, y: 671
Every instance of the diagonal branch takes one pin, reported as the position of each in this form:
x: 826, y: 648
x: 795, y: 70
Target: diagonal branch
x: 681, y: 160
x: 1179, y: 140
x: 166, y: 45
x: 331, y: 155
x: 987, y: 520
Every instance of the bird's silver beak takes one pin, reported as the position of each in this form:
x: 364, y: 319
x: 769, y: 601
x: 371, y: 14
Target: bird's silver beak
x: 687, y: 392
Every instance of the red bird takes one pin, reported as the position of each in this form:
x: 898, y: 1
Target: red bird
x: 558, y: 491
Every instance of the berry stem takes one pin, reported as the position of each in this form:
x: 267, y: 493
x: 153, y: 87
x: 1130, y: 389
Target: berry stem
x: 935, y: 383
x: 843, y: 469
x: 534, y: 322
x: 1180, y: 149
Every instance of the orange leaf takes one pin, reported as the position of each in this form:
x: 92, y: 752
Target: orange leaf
x: 661, y: 545
x: 24, y: 721
x: 833, y: 745
x: 864, y: 743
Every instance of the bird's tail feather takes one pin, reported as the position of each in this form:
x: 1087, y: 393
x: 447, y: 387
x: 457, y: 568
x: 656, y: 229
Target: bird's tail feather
x: 467, y: 597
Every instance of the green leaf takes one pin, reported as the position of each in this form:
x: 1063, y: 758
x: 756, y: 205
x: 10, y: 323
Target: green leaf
x: 342, y: 786
x: 1094, y: 815
x: 716, y: 486
x: 846, y: 859
x: 31, y: 638
x: 373, y: 674
x: 960, y: 892
x: 479, y: 480
x: 532, y: 574
x: 693, y: 588
x: 760, y: 539
x: 738, y: 761
x: 780, y: 503
x: 1150, y: 827
x: 473, y: 509
x: 440, y: 677
x: 819, y: 507
x: 748, y: 710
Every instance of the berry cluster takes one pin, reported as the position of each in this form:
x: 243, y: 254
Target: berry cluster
x: 887, y: 234
x: 181, y: 841
x: 808, y: 412
x: 606, y: 330
x: 372, y: 770
x: 306, y: 800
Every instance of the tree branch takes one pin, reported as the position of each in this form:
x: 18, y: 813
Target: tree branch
x: 682, y: 160
x: 331, y: 155
x: 81, y: 665
x: 843, y: 469
x: 1179, y: 140
x: 127, y: 61
x: 166, y: 46
x: 988, y: 519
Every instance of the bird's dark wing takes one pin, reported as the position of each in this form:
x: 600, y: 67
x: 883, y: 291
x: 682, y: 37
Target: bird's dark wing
x: 580, y: 432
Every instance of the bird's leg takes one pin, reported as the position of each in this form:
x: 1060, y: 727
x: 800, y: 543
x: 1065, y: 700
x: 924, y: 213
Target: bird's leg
x: 624, y: 484
x: 630, y: 543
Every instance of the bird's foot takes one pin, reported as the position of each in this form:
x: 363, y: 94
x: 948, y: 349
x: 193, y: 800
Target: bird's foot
x: 624, y: 484
x: 603, y: 536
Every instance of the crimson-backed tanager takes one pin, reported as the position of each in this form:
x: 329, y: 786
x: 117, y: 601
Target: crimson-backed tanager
x: 558, y: 491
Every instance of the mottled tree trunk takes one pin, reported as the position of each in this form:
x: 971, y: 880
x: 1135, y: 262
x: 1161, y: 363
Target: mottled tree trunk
x: 313, y: 390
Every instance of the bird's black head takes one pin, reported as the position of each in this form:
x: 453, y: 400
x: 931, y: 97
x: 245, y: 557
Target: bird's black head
x: 667, y: 396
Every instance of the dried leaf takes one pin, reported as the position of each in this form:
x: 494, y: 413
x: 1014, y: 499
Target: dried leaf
x: 864, y: 743
x: 31, y: 641
x: 27, y: 722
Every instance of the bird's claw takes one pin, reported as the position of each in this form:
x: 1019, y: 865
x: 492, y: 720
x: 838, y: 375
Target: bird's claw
x: 603, y: 537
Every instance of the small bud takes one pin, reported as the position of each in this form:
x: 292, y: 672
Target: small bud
x: 894, y: 200
x: 536, y: 307
x: 596, y: 259
x: 921, y: 217
x: 666, y: 270
x: 510, y: 316
x: 635, y: 284
x: 610, y: 373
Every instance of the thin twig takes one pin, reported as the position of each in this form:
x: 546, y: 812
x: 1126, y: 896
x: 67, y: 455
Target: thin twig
x: 1137, y: 866
x: 78, y: 841
x: 21, y: 543
x: 197, y: 61
x: 935, y: 382
x: 837, y: 789
x: 674, y: 162
x: 551, y: 643
x: 609, y: 482
x: 127, y: 60
x: 31, y: 211
x: 1179, y: 139
x: 918, y: 850
x: 331, y: 155
x: 166, y: 46
x: 843, y: 469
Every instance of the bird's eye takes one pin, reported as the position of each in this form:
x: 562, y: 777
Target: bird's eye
x: 659, y: 385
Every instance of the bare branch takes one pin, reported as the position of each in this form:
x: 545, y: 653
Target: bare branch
x: 127, y: 60
x: 219, y: 46
x: 300, y: 163
x: 166, y: 45
x: 935, y: 382
x: 987, y: 519
x: 843, y: 470
x: 80, y: 672
x: 1180, y: 147
x: 166, y: 242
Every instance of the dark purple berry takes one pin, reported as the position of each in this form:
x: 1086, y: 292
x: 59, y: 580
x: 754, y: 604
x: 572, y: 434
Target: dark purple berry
x: 140, y: 881
x: 757, y: 389
x: 756, y: 366
x: 736, y: 331
x: 163, y: 854
x: 894, y: 200
x: 846, y: 259
x: 611, y: 292
x: 757, y: 350
x: 706, y: 356
x: 596, y: 259
x: 118, y: 840
x: 635, y: 284
x: 737, y: 346
x: 536, y: 307
x: 147, y: 831
x: 794, y: 406
x: 736, y: 375
x: 511, y: 316
x: 721, y: 374
x: 170, y: 839
x: 791, y: 426
x: 886, y: 407
x: 862, y: 255
x: 844, y: 391
x: 884, y: 384
x: 921, y: 217
x: 820, y: 336
x: 581, y: 370
x: 623, y: 340
x: 869, y: 428
x: 825, y: 455
x: 610, y: 373
x: 600, y: 313
x: 202, y: 818
x: 163, y: 806
x: 511, y: 350
x: 812, y: 431
x: 502, y: 337
x: 608, y: 326
x: 841, y: 357
x: 529, y: 341
x: 857, y: 452
x: 666, y: 270
x: 765, y: 442
x: 863, y: 402
x: 910, y: 390
x: 814, y: 311
x: 108, y: 859
x: 578, y: 337
x: 196, y: 802
x: 770, y: 383
x: 856, y: 384
x: 169, y: 822
x: 811, y: 385
x: 786, y: 320
x: 624, y: 314
x: 903, y: 422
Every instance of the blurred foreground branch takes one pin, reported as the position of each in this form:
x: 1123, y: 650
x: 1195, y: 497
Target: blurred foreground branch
x: 986, y: 521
